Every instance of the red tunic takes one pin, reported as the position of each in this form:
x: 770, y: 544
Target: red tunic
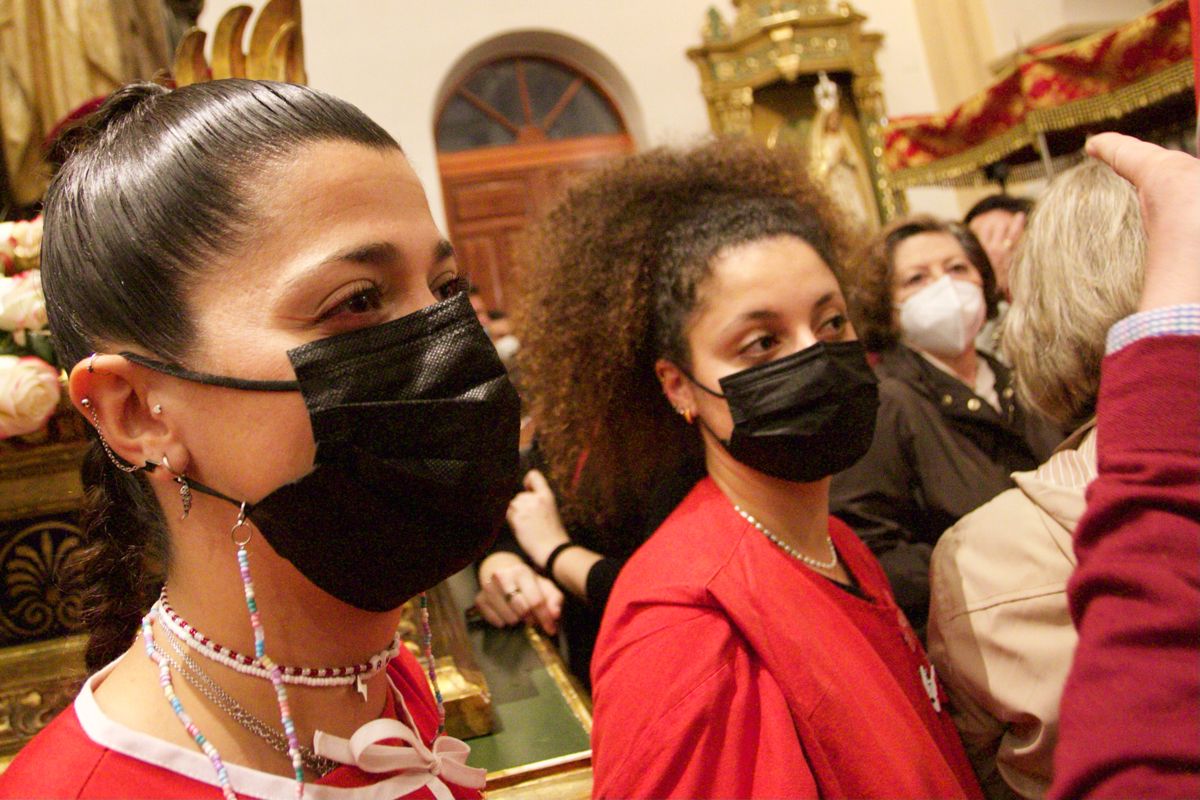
x: 726, y: 668
x: 83, y: 754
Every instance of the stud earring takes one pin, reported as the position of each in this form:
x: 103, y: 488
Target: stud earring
x: 185, y: 491
x: 117, y: 461
x: 688, y: 416
x: 157, y: 408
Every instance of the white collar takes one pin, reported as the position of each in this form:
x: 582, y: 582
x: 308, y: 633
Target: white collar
x: 193, y: 764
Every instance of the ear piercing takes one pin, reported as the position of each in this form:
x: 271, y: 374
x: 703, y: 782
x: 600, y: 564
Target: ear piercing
x: 185, y: 491
x: 687, y: 414
x: 119, y: 462
x: 157, y: 408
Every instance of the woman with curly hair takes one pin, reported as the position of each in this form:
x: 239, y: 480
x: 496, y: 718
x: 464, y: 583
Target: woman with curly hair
x: 949, y: 431
x: 683, y: 305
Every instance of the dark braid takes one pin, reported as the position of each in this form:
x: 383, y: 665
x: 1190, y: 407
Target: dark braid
x: 120, y: 567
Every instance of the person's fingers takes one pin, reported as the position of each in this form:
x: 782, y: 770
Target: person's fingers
x: 553, y: 595
x: 533, y: 589
x: 524, y: 595
x: 483, y: 602
x: 536, y: 482
x: 1129, y: 157
x: 501, y: 592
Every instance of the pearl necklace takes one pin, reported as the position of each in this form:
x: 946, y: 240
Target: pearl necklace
x: 787, y: 548
x: 356, y: 675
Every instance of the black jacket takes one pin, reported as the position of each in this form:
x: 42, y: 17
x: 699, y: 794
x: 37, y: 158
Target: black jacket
x: 939, y: 452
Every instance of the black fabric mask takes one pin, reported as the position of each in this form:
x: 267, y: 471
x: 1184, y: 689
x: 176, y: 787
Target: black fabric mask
x: 805, y: 416
x: 416, y: 426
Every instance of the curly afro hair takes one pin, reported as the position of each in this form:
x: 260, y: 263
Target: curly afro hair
x: 613, y: 273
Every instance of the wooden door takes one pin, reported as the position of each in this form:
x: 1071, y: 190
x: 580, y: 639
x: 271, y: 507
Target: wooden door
x: 511, y: 137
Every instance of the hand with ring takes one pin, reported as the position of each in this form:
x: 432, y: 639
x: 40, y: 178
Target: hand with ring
x: 511, y: 592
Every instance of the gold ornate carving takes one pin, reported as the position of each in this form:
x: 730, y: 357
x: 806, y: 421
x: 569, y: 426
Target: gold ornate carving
x: 36, y: 682
x: 785, y: 43
x: 34, y: 602
x: 460, y: 680
x: 276, y: 47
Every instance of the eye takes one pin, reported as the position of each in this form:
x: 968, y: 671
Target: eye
x: 959, y: 268
x: 362, y: 298
x: 760, y: 345
x: 451, y: 287
x: 916, y: 279
x: 835, y: 326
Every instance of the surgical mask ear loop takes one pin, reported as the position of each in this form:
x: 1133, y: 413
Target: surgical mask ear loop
x: 241, y: 539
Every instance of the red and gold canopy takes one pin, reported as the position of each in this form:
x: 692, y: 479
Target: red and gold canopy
x: 1051, y: 90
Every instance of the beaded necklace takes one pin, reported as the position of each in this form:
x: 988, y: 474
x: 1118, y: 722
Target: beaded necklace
x: 787, y: 548
x: 356, y: 674
x: 212, y: 691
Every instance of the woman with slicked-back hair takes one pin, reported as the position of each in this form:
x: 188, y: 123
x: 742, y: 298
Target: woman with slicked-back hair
x: 299, y: 424
x: 685, y: 310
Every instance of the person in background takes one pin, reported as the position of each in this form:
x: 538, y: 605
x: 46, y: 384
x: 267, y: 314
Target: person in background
x: 557, y: 574
x: 999, y: 629
x: 750, y: 647
x: 949, y: 429
x: 998, y: 221
x: 1131, y: 707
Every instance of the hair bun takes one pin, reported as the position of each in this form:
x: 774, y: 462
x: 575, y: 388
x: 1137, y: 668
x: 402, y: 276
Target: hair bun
x: 86, y: 124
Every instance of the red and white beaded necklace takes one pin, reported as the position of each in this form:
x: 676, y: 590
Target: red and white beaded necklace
x: 355, y: 674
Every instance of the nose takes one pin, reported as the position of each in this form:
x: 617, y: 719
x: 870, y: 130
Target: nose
x: 805, y: 338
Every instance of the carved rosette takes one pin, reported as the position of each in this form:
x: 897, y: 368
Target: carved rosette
x: 33, y: 601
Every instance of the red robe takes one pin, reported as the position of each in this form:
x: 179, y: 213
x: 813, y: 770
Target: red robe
x: 1131, y: 707
x: 83, y: 754
x: 726, y: 668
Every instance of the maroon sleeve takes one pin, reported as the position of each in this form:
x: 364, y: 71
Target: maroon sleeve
x: 1131, y: 708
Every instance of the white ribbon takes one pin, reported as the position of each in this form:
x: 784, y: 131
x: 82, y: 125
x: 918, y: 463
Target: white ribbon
x: 447, y: 759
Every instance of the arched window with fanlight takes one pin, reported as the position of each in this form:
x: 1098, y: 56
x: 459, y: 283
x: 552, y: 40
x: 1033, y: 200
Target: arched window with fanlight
x: 510, y: 135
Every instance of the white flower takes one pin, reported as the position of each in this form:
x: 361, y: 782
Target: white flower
x: 27, y: 238
x: 22, y: 305
x: 29, y: 393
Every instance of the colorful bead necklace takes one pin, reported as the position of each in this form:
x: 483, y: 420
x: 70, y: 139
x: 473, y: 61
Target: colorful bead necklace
x: 164, y: 680
x: 260, y: 654
x: 202, y: 682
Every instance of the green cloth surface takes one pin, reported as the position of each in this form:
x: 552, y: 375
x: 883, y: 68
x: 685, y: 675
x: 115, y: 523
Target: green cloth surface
x: 532, y: 719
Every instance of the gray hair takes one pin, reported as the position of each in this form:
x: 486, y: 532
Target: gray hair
x: 1077, y: 271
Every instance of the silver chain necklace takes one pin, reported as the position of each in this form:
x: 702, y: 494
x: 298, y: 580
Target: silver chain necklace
x: 787, y: 548
x: 202, y: 682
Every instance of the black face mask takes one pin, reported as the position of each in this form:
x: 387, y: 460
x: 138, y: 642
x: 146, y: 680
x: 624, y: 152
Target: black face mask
x: 802, y: 417
x: 416, y: 426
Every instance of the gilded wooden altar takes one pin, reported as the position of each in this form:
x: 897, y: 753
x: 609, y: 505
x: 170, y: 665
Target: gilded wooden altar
x: 759, y: 71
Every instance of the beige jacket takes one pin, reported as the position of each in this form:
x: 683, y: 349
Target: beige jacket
x: 1000, y: 634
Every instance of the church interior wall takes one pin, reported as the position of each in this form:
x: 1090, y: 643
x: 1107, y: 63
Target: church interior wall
x: 396, y: 60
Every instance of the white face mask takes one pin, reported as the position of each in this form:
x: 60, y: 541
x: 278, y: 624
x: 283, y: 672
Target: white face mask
x: 943, y: 318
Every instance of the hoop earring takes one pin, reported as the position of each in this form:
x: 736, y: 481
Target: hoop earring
x: 117, y: 461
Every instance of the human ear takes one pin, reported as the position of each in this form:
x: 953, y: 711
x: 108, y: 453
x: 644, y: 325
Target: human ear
x: 115, y: 397
x: 675, y: 386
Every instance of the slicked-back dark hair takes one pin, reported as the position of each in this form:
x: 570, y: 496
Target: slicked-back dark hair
x: 158, y: 183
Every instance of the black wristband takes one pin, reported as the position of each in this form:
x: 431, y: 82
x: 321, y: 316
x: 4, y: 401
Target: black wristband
x: 548, y: 570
